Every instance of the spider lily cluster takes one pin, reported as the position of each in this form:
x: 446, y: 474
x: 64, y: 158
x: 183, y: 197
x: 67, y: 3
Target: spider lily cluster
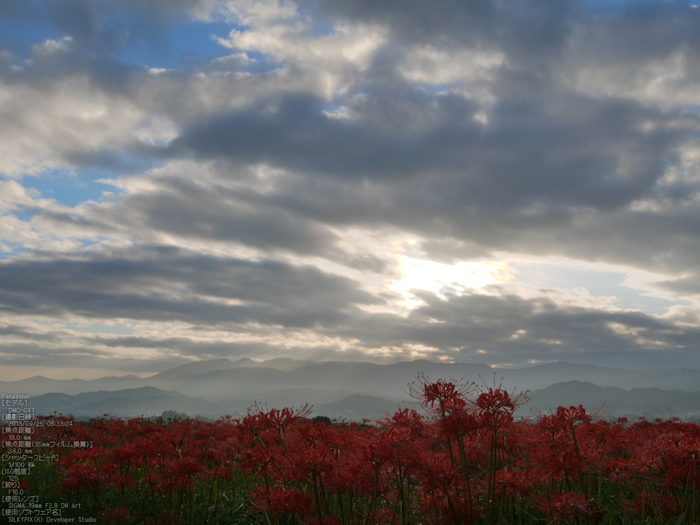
x: 467, y: 461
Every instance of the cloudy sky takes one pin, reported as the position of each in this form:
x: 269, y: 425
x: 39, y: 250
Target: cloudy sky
x: 496, y: 181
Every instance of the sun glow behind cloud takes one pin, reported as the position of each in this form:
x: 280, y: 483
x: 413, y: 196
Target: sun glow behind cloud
x: 346, y: 180
x: 439, y: 277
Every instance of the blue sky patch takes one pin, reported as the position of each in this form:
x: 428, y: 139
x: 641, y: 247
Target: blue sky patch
x: 190, y: 44
x: 18, y: 36
x: 599, y: 283
x: 26, y: 215
x: 70, y: 189
x: 17, y: 248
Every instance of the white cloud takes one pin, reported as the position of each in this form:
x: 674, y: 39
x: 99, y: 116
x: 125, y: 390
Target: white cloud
x: 48, y: 124
x: 527, y: 179
x: 50, y: 47
x: 329, y: 61
x: 464, y: 66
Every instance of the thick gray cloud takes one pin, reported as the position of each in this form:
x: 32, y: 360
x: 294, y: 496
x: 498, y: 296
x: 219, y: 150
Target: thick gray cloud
x: 506, y: 328
x: 168, y: 284
x: 555, y: 175
x: 532, y: 33
x: 501, y: 328
x: 530, y: 30
x: 484, y: 126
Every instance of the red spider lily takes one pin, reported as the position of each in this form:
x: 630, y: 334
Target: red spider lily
x: 572, y: 415
x: 673, y: 458
x: 565, y: 461
x: 350, y: 475
x: 312, y: 433
x: 565, y: 418
x: 405, y: 418
x: 471, y: 463
x: 441, y: 395
x: 495, y: 420
x: 280, y: 419
x: 618, y: 470
x: 125, y: 455
x: 495, y: 401
x: 513, y: 483
x: 260, y: 460
x: 495, y: 405
x: 438, y: 473
x: 185, y: 468
x: 376, y: 453
x: 305, y: 462
x: 460, y: 423
x: 81, y: 475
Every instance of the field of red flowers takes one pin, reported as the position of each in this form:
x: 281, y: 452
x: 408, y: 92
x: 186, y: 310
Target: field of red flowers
x: 468, y: 461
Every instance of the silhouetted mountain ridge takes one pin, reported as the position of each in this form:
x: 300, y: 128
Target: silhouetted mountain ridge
x: 637, y: 401
x: 231, y: 386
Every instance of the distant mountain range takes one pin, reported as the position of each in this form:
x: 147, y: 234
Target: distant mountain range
x: 356, y: 390
x: 132, y: 402
x: 647, y: 402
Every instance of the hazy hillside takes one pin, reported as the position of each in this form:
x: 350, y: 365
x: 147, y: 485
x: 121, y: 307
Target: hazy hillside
x: 649, y: 402
x: 61, y: 402
x: 148, y: 401
x: 148, y: 406
x: 223, y: 378
x: 225, y: 386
